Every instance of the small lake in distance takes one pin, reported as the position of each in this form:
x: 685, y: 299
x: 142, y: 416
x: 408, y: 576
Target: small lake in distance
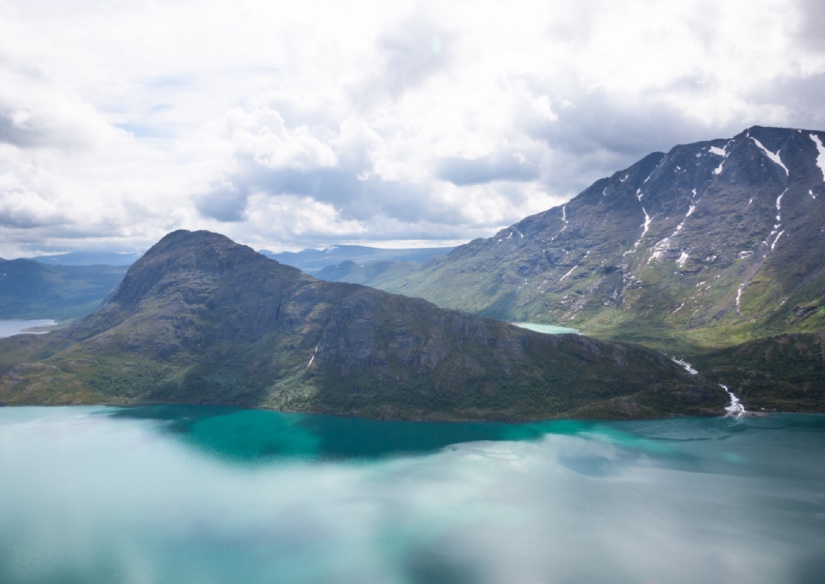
x: 548, y: 329
x: 191, y: 494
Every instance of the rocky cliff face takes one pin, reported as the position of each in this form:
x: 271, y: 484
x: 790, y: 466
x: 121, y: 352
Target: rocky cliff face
x: 725, y: 235
x: 200, y: 319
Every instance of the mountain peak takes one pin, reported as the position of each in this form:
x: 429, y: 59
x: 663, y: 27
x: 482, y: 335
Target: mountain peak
x: 711, y: 235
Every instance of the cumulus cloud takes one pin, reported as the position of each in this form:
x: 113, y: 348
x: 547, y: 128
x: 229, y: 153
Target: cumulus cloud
x: 302, y: 125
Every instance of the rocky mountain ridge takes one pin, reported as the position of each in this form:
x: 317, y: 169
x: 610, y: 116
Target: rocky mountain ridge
x: 724, y: 238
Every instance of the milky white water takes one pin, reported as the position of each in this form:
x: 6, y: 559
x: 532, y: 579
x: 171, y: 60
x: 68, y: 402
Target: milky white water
x: 207, y: 495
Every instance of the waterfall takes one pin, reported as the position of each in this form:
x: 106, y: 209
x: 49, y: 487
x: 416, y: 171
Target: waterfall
x: 735, y: 409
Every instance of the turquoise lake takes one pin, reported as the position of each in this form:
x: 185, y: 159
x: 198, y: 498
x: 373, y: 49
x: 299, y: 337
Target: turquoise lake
x: 548, y: 329
x: 187, y: 494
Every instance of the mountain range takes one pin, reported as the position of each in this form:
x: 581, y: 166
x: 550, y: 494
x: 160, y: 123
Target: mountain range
x: 201, y: 319
x: 712, y: 252
x: 313, y: 261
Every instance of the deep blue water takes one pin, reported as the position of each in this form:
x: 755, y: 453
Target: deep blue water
x: 200, y: 494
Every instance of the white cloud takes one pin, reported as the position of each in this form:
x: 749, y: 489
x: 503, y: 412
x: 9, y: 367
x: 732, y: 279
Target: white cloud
x: 302, y: 124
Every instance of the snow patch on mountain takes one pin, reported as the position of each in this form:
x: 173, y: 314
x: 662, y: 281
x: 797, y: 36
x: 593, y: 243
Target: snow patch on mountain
x: 773, y: 156
x: 820, y: 159
x: 723, y: 152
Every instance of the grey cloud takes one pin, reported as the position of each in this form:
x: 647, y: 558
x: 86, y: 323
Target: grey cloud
x: 473, y: 171
x: 352, y: 197
x: 800, y: 97
x: 596, y: 122
x: 415, y: 50
x: 226, y: 203
x: 42, y: 129
x: 22, y: 135
x: 23, y: 220
x: 812, y: 23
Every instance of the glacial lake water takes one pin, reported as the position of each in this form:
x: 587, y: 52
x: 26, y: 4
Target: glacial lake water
x: 548, y: 329
x: 187, y: 494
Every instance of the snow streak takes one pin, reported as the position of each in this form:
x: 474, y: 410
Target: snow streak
x: 820, y: 159
x: 660, y: 248
x: 778, y: 226
x: 723, y: 152
x: 773, y: 245
x: 774, y: 156
x: 779, y: 205
x: 567, y: 274
x: 645, y: 227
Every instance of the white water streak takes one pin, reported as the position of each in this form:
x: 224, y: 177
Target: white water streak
x: 684, y: 364
x: 735, y: 409
x: 739, y: 298
x: 312, y: 358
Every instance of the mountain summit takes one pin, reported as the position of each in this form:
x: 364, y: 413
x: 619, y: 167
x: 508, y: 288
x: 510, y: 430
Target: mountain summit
x: 724, y: 238
x: 201, y: 319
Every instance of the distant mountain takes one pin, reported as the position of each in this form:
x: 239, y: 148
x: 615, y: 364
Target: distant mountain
x: 711, y: 244
x: 30, y: 289
x: 200, y: 319
x: 314, y: 261
x: 86, y: 258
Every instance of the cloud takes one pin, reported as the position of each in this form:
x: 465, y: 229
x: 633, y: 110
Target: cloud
x: 473, y: 171
x: 226, y: 202
x: 313, y: 123
x: 406, y: 55
x: 810, y: 24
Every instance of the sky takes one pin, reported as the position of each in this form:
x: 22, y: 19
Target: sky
x: 287, y: 125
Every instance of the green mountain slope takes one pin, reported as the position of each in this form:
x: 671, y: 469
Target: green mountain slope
x: 783, y: 373
x: 200, y: 319
x: 30, y: 289
x: 709, y: 245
